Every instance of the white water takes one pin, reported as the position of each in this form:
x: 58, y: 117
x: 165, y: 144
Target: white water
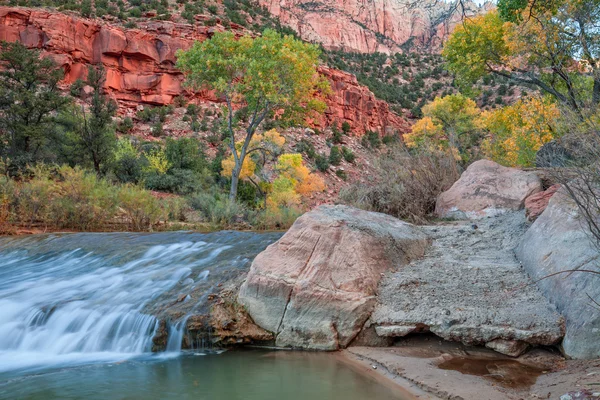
x: 83, y: 306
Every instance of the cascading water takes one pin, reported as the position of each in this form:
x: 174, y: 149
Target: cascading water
x: 82, y: 298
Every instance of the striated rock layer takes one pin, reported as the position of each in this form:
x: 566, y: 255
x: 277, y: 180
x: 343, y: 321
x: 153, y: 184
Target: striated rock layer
x: 369, y: 26
x: 140, y: 63
x: 317, y: 285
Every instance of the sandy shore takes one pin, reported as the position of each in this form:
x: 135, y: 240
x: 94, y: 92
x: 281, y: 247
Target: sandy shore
x: 428, y: 368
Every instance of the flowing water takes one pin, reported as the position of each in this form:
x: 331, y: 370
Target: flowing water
x: 77, y: 318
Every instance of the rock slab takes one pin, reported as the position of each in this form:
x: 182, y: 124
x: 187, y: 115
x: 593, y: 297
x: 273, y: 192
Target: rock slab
x: 470, y: 288
x: 558, y: 241
x: 317, y: 285
x: 487, y: 189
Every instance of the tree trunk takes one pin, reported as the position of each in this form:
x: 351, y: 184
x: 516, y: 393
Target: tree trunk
x: 235, y: 179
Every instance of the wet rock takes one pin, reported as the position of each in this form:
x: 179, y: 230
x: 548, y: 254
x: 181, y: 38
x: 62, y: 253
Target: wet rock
x: 316, y: 286
x: 513, y: 348
x: 487, y: 189
x: 558, y: 241
x: 581, y: 395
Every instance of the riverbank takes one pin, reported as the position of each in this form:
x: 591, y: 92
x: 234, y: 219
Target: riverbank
x: 430, y: 368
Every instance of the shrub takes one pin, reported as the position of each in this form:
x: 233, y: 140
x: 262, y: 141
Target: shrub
x: 125, y: 125
x: 335, y: 156
x: 322, y: 163
x: 142, y: 210
x: 406, y: 186
x: 346, y: 127
x: 340, y: 173
x: 336, y: 134
x: 349, y: 156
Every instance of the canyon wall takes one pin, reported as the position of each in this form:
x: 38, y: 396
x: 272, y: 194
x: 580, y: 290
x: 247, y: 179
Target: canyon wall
x: 140, y: 63
x: 368, y: 26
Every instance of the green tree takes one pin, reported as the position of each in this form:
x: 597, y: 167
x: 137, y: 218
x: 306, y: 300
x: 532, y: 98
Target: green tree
x: 97, y: 131
x: 264, y: 74
x: 29, y: 100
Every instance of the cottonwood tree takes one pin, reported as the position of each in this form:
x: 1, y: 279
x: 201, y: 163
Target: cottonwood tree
x: 449, y: 123
x: 258, y: 75
x: 553, y: 45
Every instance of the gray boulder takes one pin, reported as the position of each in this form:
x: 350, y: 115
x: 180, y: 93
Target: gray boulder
x: 558, y: 241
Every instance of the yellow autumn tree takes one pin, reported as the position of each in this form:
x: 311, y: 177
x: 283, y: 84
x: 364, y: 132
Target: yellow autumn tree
x: 262, y: 145
x: 293, y: 181
x: 515, y: 133
x: 448, y: 124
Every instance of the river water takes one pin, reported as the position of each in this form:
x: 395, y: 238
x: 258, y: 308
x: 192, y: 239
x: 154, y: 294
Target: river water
x: 74, y: 323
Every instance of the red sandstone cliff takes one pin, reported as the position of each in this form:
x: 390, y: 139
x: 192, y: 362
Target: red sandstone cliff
x: 140, y: 63
x: 367, y: 26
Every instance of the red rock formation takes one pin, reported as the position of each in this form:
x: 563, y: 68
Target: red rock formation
x: 367, y: 26
x: 537, y: 203
x: 140, y: 63
x: 357, y: 105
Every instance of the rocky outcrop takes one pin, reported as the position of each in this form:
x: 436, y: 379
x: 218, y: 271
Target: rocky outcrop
x: 370, y: 26
x: 356, y: 104
x: 537, y: 203
x: 487, y: 189
x: 140, y: 63
x: 469, y: 288
x: 316, y: 286
x: 558, y: 241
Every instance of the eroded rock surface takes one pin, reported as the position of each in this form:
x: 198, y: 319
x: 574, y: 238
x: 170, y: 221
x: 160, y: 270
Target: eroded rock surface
x: 558, y: 241
x: 487, y: 189
x: 470, y: 288
x: 316, y: 286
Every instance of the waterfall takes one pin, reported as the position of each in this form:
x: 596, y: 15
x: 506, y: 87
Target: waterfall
x: 84, y: 297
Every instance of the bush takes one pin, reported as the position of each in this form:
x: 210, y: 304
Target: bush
x: 72, y: 198
x: 335, y: 156
x: 406, y: 186
x: 306, y: 147
x: 349, y: 156
x: 346, y: 127
x: 336, y: 135
x: 125, y: 125
x: 340, y: 173
x: 322, y: 163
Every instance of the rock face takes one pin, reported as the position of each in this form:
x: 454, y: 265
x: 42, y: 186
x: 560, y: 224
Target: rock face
x: 369, y: 26
x: 140, y: 63
x: 487, y: 189
x: 357, y: 105
x: 557, y: 241
x: 316, y: 286
x: 537, y: 203
x: 470, y: 288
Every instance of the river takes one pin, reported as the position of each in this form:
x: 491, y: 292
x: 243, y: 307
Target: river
x: 75, y: 322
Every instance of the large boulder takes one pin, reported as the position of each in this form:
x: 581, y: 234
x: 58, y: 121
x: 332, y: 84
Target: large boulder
x: 487, y: 189
x: 559, y: 241
x: 470, y: 288
x: 316, y: 286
